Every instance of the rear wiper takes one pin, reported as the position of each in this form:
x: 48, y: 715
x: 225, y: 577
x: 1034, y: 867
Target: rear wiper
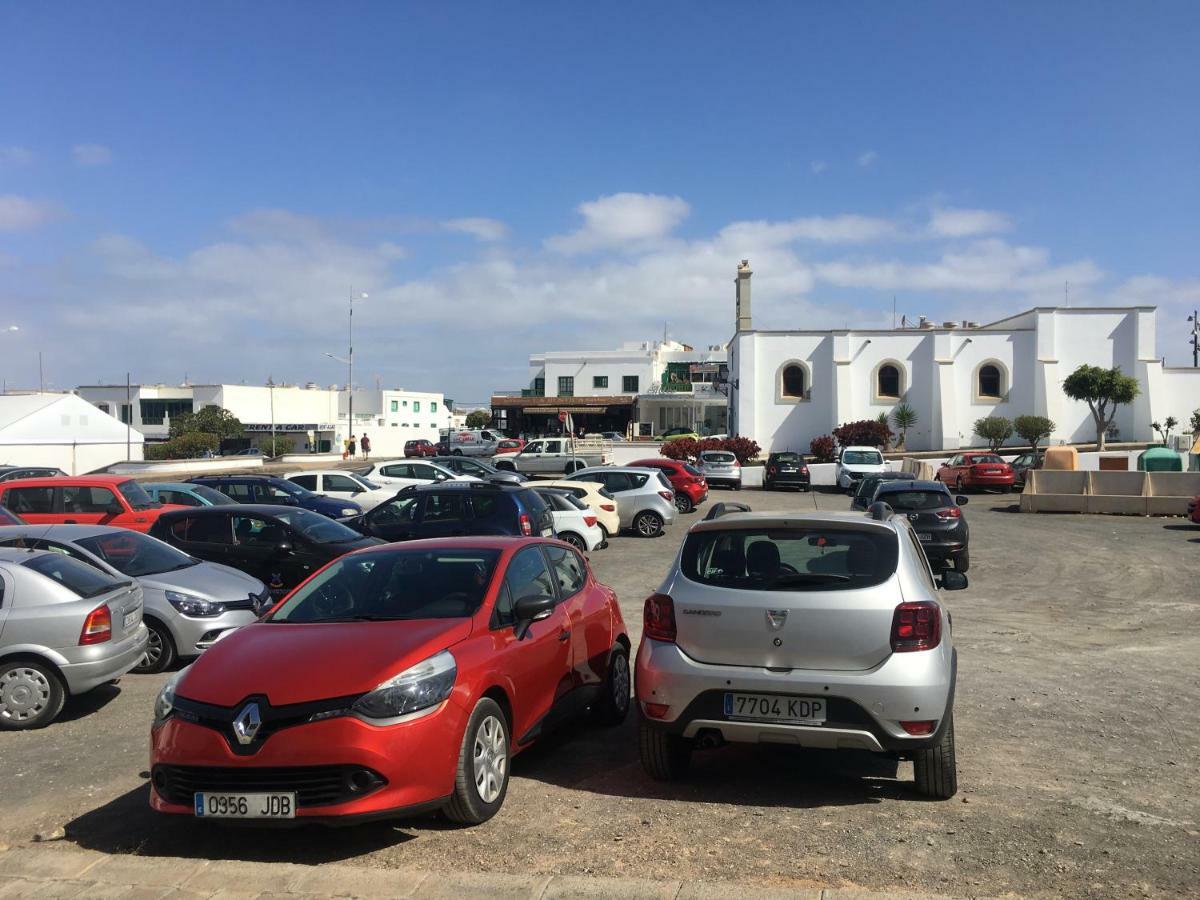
x: 811, y: 578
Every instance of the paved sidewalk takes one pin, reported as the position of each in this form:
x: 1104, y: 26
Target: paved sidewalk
x: 65, y: 872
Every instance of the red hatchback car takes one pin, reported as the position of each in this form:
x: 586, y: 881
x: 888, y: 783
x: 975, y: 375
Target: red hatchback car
x: 691, y: 488
x: 976, y: 470
x: 115, y: 500
x: 419, y: 448
x: 398, y: 679
x: 509, y: 445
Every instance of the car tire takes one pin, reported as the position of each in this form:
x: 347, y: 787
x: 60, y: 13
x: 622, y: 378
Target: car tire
x: 574, y: 540
x: 936, y: 769
x: 479, y: 785
x: 962, y: 562
x: 506, y: 467
x: 665, y: 756
x: 31, y: 695
x: 648, y: 524
x: 160, y: 650
x: 684, y: 503
x: 613, y: 705
x: 958, y: 486
x: 456, y: 453
x: 574, y: 467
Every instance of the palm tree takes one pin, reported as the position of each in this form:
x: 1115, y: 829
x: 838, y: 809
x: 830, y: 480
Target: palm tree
x: 904, y: 417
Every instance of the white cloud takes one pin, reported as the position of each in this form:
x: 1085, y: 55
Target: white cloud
x: 845, y: 229
x: 91, y: 154
x: 956, y: 223
x: 817, y: 166
x: 868, y: 158
x: 22, y: 214
x: 478, y: 227
x: 622, y: 220
x: 15, y: 156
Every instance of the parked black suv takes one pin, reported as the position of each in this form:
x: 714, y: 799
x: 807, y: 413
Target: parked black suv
x: 457, y: 508
x: 786, y: 470
x: 278, y: 545
x: 935, y: 517
x: 275, y: 491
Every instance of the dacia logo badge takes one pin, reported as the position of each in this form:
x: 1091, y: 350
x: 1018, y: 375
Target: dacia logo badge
x: 247, y: 723
x: 912, y: 517
x: 776, y: 618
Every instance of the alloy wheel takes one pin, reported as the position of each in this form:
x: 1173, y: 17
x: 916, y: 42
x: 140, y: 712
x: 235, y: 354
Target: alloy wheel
x: 24, y: 693
x: 620, y: 682
x: 490, y: 759
x: 648, y: 525
x: 574, y: 540
x: 154, y: 649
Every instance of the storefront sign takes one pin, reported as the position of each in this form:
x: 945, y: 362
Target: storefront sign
x: 285, y: 427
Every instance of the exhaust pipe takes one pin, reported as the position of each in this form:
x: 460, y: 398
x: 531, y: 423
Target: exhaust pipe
x: 709, y: 739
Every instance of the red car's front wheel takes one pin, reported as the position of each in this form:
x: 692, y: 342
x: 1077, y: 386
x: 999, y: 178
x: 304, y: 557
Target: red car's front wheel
x: 483, y: 762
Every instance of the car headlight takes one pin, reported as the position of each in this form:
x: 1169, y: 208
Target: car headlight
x: 419, y: 687
x: 164, y: 703
x: 349, y: 512
x: 195, y: 607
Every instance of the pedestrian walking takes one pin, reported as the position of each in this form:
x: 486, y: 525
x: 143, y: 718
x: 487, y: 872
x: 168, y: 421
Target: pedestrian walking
x: 366, y: 447
x: 353, y: 446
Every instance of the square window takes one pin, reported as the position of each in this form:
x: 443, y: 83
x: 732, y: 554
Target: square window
x: 599, y: 381
x: 416, y: 406
x: 395, y: 406
x: 433, y: 406
x: 566, y: 386
x: 629, y: 384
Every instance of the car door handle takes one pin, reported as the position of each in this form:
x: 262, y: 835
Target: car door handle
x: 564, y: 634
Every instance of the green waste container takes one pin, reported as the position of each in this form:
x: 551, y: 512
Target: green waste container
x: 1159, y: 459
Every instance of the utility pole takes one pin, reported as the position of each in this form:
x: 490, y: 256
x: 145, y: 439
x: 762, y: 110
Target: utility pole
x: 41, y: 377
x: 129, y: 420
x: 1194, y: 318
x: 271, y: 388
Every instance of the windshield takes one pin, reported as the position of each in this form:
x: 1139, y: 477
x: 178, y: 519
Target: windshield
x: 78, y: 577
x: 135, y: 495
x: 362, y: 482
x: 291, y: 488
x: 394, y: 584
x: 790, y: 559
x: 135, y: 554
x: 214, y: 497
x: 862, y: 458
x: 316, y: 527
x: 912, y: 501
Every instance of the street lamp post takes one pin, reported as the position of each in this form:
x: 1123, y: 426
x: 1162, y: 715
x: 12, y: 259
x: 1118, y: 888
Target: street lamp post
x: 349, y: 361
x: 1194, y: 318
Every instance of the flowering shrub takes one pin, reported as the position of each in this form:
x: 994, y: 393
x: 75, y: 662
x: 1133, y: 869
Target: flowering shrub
x: 823, y: 449
x: 687, y: 449
x: 681, y: 449
x: 867, y: 433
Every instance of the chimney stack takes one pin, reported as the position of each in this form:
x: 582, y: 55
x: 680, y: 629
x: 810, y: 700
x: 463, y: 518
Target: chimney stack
x: 742, y: 283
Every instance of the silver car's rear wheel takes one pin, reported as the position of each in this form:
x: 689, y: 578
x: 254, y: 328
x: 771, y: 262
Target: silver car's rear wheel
x: 30, y: 695
x: 648, y: 524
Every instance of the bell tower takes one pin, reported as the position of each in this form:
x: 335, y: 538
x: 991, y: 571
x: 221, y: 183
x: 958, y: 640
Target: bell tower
x: 742, y: 285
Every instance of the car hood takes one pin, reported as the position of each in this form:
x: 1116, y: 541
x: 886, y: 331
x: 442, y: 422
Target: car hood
x: 210, y: 581
x: 329, y: 506
x: 302, y: 662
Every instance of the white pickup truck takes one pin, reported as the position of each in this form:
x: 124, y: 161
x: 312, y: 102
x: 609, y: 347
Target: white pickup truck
x: 553, y: 456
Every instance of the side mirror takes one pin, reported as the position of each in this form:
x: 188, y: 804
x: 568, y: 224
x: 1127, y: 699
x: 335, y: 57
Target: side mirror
x: 532, y: 609
x: 961, y: 500
x: 953, y: 580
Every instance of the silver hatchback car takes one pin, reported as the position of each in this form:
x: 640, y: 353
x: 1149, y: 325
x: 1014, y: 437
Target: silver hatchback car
x: 817, y: 630
x: 189, y: 603
x: 65, y: 628
x: 720, y: 467
x: 645, y: 498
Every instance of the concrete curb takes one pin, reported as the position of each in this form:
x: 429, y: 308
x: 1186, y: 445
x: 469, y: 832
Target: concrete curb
x: 68, y: 872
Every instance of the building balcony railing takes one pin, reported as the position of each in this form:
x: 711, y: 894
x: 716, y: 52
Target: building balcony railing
x: 533, y: 392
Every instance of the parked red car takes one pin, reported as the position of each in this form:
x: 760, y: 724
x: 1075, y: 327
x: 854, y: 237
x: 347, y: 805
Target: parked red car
x: 509, y: 445
x: 115, y: 500
x: 398, y: 679
x: 976, y: 470
x: 419, y: 448
x: 691, y: 487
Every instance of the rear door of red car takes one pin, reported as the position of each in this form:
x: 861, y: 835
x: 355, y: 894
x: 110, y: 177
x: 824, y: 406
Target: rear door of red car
x: 540, y: 665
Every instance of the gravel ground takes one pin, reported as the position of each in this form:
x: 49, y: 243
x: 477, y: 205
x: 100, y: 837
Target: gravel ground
x: 1078, y: 721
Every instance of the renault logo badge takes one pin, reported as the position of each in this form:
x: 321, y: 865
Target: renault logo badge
x: 776, y: 618
x: 247, y: 723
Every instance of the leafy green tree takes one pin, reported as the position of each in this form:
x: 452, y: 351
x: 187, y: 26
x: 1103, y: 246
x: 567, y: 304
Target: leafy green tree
x: 1033, y: 429
x: 480, y: 418
x: 904, y: 417
x: 214, y: 420
x: 1103, y: 390
x: 995, y: 430
x: 275, y: 447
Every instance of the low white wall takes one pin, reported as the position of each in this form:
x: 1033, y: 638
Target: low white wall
x: 311, y: 459
x: 194, y: 466
x: 74, y: 459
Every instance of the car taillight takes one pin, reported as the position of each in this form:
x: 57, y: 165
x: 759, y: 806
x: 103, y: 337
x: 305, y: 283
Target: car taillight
x: 916, y: 626
x: 952, y: 512
x: 589, y: 521
x: 526, y: 525
x: 97, y: 627
x: 658, y: 618
x: 771, y: 469
x: 608, y: 507
x: 666, y: 495
x: 736, y: 464
x: 804, y: 470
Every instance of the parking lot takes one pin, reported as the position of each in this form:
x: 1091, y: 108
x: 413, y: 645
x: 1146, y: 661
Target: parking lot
x: 1078, y: 721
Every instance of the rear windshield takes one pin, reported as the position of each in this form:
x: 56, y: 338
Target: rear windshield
x: 862, y: 458
x: 82, y: 579
x: 717, y: 457
x: 911, y: 501
x: 691, y: 470
x: 534, y: 501
x: 394, y: 584
x: 787, y: 458
x: 214, y: 498
x: 790, y: 559
x: 986, y: 458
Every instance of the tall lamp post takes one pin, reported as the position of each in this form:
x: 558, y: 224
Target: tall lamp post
x: 1194, y: 318
x: 349, y: 361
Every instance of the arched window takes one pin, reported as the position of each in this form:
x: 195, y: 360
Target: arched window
x: 991, y: 381
x: 888, y: 381
x: 794, y: 381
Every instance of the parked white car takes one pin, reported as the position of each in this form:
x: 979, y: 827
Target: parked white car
x: 574, y: 521
x: 403, y: 472
x: 854, y: 463
x: 598, y: 498
x: 344, y: 486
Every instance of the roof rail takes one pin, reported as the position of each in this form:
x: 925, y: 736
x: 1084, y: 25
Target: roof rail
x: 880, y: 511
x: 722, y: 509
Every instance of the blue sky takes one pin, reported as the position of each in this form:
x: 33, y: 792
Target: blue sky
x: 193, y: 189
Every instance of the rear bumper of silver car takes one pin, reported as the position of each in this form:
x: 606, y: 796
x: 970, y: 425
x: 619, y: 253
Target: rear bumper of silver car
x: 104, y: 662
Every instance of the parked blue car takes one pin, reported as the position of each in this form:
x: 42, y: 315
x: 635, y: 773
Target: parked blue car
x: 276, y: 491
x: 181, y: 493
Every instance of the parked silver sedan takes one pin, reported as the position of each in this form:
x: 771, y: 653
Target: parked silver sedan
x: 65, y: 628
x: 189, y: 603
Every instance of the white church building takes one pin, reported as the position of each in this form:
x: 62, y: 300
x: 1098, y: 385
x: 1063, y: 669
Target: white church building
x: 788, y: 387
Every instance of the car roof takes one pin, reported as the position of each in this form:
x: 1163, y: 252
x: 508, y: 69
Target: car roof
x: 60, y: 532
x: 201, y: 479
x: 463, y: 486
x: 649, y: 463
x: 20, y: 554
x: 173, y: 485
x: 470, y: 542
x: 258, y: 509
x: 748, y: 520
x: 911, y: 484
x: 861, y: 447
x: 66, y: 480
x: 350, y: 472
x: 640, y: 470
